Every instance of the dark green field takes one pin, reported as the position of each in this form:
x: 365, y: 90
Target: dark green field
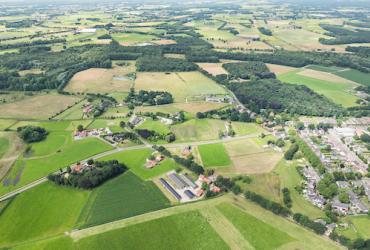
x: 356, y: 76
x: 123, y: 197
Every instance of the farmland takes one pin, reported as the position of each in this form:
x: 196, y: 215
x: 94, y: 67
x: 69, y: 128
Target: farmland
x: 97, y: 80
x: 123, y: 197
x: 44, y: 211
x: 332, y: 88
x: 37, y: 107
x: 182, y: 85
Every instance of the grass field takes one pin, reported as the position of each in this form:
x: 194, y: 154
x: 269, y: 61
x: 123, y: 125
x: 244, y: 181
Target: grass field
x: 6, y: 123
x: 214, y: 155
x: 40, y: 166
x: 280, y: 69
x: 135, y: 160
x: 124, y: 196
x: 208, y: 129
x: 338, y: 92
x: 188, y: 230
x: 97, y: 80
x: 10, y: 147
x: 323, y: 68
x: 37, y: 107
x: 4, y: 145
x: 255, y: 230
x: 355, y: 75
x: 191, y: 107
x: 132, y: 38
x: 182, y: 85
x: 358, y: 227
x: 43, y: 211
x: 157, y: 126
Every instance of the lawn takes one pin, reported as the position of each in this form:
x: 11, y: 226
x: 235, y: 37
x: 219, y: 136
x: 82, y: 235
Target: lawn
x: 255, y: 230
x: 37, y: 107
x: 38, y: 167
x: 356, y: 76
x: 124, y: 196
x: 188, y: 230
x: 43, y: 211
x: 135, y: 160
x: 182, y: 85
x: 338, y: 92
x: 214, y: 155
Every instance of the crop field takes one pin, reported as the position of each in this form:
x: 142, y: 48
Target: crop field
x: 338, y: 92
x: 43, y: 211
x: 214, y: 155
x: 255, y: 230
x: 135, y: 160
x: 324, y: 68
x: 213, y: 68
x: 33, y: 168
x: 97, y: 80
x: 37, y: 107
x: 182, y: 85
x: 279, y: 69
x: 190, y: 107
x: 355, y: 75
x: 127, y: 39
x: 124, y: 196
x: 160, y: 234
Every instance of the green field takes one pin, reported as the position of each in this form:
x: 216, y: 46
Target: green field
x: 157, y: 126
x: 124, y: 196
x: 336, y: 91
x: 356, y: 76
x: 4, y: 145
x: 53, y: 142
x: 39, y: 166
x: 132, y: 38
x: 255, y: 230
x: 135, y: 160
x: 358, y: 227
x: 214, y: 155
x: 43, y: 211
x: 187, y: 230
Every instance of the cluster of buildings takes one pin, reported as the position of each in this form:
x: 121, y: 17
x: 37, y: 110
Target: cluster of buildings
x: 154, y: 160
x: 78, y: 135
x: 184, y: 189
x: 220, y: 99
x: 334, y: 150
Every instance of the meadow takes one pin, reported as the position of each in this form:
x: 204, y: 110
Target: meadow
x: 214, y: 155
x: 358, y: 227
x: 135, y: 160
x: 37, y: 107
x: 180, y: 231
x: 43, y: 211
x: 157, y: 126
x: 182, y: 85
x: 132, y: 38
x: 355, y: 75
x: 338, y: 92
x: 124, y: 196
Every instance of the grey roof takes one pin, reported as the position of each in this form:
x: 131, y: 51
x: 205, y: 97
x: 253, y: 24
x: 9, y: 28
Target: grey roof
x: 179, y: 183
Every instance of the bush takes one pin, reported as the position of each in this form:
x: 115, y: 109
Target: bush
x: 31, y: 134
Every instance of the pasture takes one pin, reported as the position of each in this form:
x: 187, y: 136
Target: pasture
x: 180, y: 231
x: 10, y: 147
x: 355, y: 75
x: 37, y: 107
x: 98, y: 80
x: 124, y: 196
x: 255, y: 230
x: 182, y: 85
x: 135, y: 160
x: 214, y: 155
x: 338, y: 92
x: 155, y: 125
x: 43, y: 211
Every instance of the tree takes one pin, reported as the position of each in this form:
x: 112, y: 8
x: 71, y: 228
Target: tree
x: 80, y: 128
x: 343, y: 197
x: 122, y: 124
x: 31, y: 134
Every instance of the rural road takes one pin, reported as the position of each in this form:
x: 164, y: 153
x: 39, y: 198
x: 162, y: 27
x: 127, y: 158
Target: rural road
x: 116, y: 150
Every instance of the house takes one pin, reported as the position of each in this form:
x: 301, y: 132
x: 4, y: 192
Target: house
x: 135, y: 120
x: 186, y: 152
x: 340, y: 207
x: 342, y: 184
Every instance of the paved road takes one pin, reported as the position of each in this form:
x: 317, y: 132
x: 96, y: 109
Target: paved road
x: 116, y: 150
